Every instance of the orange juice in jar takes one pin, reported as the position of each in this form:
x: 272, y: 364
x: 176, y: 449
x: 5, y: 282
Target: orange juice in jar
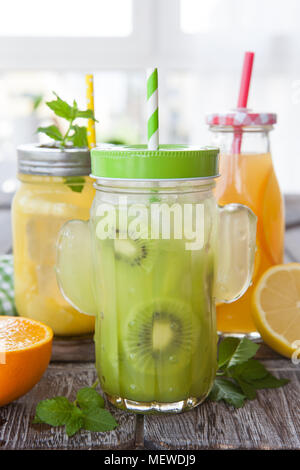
x: 247, y: 177
x: 54, y: 187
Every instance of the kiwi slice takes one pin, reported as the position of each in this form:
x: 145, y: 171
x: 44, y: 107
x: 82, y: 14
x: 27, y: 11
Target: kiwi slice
x: 131, y: 247
x: 134, y: 250
x: 159, y: 332
x: 159, y: 344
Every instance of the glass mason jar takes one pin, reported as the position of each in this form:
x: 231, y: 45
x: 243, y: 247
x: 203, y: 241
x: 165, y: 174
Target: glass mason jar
x: 55, y: 187
x: 248, y: 177
x: 157, y: 251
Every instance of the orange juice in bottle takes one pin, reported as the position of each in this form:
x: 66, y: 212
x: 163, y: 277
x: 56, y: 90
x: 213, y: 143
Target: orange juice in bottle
x: 247, y: 177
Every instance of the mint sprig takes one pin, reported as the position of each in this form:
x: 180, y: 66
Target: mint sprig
x: 239, y: 376
x: 75, y: 135
x: 86, y: 412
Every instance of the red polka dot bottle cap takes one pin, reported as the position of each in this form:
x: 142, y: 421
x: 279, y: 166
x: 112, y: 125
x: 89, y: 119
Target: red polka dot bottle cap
x: 241, y: 117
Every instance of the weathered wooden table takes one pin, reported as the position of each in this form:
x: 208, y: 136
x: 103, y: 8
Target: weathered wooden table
x: 269, y: 422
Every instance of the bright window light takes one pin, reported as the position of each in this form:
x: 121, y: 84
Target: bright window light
x: 269, y: 16
x: 197, y: 17
x: 66, y: 18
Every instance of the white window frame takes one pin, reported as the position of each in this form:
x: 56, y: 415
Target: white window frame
x: 75, y: 53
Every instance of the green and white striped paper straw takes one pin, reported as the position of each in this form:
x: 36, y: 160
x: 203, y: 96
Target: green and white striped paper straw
x: 152, y: 109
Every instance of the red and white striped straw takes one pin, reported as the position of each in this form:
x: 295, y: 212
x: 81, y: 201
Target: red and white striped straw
x: 243, y: 96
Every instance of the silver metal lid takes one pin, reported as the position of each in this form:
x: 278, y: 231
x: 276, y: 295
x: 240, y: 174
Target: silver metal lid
x: 34, y: 159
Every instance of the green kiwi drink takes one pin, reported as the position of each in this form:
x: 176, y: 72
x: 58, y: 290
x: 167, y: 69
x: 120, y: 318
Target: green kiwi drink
x: 155, y: 337
x: 149, y: 272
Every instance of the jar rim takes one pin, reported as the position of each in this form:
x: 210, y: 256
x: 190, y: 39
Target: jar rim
x: 36, y: 159
x: 148, y: 186
x: 155, y: 180
x: 241, y: 129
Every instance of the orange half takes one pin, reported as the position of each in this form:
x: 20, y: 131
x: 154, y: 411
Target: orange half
x: 25, y: 352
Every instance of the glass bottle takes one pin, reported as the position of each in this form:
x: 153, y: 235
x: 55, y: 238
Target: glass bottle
x: 248, y: 177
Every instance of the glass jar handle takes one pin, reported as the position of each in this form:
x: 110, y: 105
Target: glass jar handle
x: 236, y: 245
x: 74, y: 266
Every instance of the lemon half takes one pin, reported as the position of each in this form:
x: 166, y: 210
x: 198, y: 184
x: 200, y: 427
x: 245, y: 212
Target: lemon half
x: 276, y: 308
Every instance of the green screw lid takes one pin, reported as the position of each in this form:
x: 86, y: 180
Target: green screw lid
x: 168, y: 162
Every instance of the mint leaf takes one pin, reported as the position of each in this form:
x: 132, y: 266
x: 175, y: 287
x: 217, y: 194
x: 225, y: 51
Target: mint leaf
x: 269, y: 382
x: 62, y: 108
x: 75, y: 183
x: 75, y: 134
x: 37, y: 99
x: 51, y: 131
x: 74, y: 422
x: 88, y: 397
x: 248, y: 390
x: 226, y: 390
x: 79, y: 136
x: 246, y: 374
x: 55, y: 411
x: 75, y: 109
x: 256, y: 375
x: 250, y: 370
x: 227, y: 348
x: 239, y: 376
x: 87, y: 412
x: 98, y: 419
x: 87, y: 114
x: 236, y: 352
